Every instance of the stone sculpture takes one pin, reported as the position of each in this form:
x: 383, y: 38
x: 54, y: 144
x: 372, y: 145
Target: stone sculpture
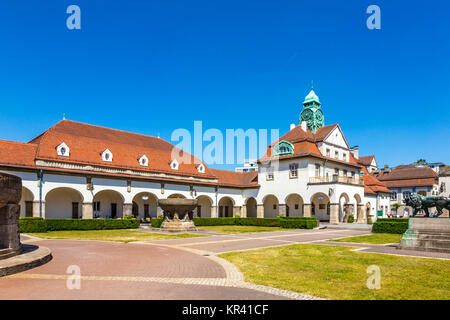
x: 419, y: 202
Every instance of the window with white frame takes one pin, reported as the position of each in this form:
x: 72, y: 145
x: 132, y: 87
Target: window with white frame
x: 344, y: 156
x: 269, y: 174
x: 174, y: 164
x: 63, y: 150
x: 293, y: 170
x: 143, y: 161
x: 317, y: 170
x: 107, y: 156
x: 328, y: 152
x: 336, y: 154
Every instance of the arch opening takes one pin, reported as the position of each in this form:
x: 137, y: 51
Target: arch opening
x: 108, y: 204
x: 63, y: 203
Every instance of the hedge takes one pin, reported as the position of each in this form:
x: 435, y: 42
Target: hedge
x: 214, y: 221
x: 32, y: 224
x: 265, y: 222
x: 298, y: 222
x: 398, y: 220
x: 156, y: 222
x: 44, y: 225
x: 390, y: 226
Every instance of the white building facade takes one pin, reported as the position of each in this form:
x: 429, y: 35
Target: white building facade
x: 76, y: 170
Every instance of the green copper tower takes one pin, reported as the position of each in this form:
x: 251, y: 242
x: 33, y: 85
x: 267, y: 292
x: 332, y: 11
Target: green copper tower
x: 312, y: 112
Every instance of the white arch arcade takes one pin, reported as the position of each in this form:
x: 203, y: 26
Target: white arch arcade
x: 108, y: 204
x: 63, y: 203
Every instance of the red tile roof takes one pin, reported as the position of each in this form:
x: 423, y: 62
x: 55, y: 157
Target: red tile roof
x: 408, y: 177
x: 305, y: 145
x: 236, y: 179
x: 87, y: 143
x: 366, y: 160
x: 372, y: 185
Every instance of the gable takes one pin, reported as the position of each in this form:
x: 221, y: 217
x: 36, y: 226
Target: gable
x: 336, y: 137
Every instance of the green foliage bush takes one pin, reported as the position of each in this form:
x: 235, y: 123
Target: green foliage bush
x: 32, y: 224
x: 398, y: 220
x: 398, y: 226
x: 129, y: 216
x: 351, y: 218
x: 214, y: 221
x: 156, y: 222
x: 298, y: 222
x: 263, y: 222
x: 91, y: 224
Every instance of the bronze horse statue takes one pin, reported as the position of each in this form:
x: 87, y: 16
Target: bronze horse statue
x: 419, y: 202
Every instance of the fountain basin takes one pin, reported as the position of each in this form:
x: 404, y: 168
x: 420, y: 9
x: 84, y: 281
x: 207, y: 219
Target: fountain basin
x: 178, y: 214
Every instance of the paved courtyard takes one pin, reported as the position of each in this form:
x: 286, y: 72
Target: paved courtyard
x: 160, y: 269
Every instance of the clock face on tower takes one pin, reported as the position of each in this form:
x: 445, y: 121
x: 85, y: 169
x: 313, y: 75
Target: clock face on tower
x: 313, y: 117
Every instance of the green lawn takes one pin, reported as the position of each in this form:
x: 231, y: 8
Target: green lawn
x: 122, y: 235
x: 375, y: 238
x: 240, y: 229
x: 336, y: 272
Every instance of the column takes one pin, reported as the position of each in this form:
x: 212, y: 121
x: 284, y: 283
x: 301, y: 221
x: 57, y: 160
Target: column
x: 213, y: 212
x: 87, y: 210
x: 244, y: 211
x: 127, y: 209
x: 307, y: 210
x: 360, y: 214
x: 236, y: 211
x: 36, y: 209
x: 260, y: 211
x: 282, y: 210
x: 159, y: 211
x: 334, y: 213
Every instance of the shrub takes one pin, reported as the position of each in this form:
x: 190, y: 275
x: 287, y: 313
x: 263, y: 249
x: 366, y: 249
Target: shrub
x: 214, y: 221
x: 156, y: 222
x: 351, y: 218
x: 91, y: 224
x: 129, y: 216
x: 298, y: 222
x: 266, y: 222
x: 369, y: 220
x: 390, y: 226
x: 32, y: 224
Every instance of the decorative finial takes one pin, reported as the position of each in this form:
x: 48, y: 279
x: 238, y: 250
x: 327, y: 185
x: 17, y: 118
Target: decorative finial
x: 64, y: 116
x: 312, y: 85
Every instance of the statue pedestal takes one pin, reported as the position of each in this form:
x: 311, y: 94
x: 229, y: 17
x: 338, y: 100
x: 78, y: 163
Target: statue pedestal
x: 9, y: 231
x: 427, y: 234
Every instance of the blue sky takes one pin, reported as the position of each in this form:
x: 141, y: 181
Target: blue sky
x: 154, y: 66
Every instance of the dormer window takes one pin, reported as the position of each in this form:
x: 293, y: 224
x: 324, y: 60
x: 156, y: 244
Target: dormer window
x: 63, y: 150
x: 283, y: 148
x: 201, y: 168
x: 143, y: 161
x: 107, y: 156
x: 174, y: 165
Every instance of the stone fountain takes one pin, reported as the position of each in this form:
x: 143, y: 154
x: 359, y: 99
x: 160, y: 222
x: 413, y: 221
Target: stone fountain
x: 10, y: 194
x: 15, y: 257
x: 178, y: 214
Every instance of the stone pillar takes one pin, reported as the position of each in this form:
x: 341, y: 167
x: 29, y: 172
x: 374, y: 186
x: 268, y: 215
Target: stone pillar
x: 127, y: 209
x: 9, y: 228
x: 334, y: 213
x: 307, y: 210
x: 244, y: 211
x: 260, y: 211
x: 87, y: 210
x: 36, y: 208
x: 214, y: 212
x: 236, y: 211
x: 361, y: 214
x: 282, y: 210
x: 159, y: 212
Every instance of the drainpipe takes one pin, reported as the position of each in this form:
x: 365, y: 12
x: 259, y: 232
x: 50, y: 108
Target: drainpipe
x: 325, y: 167
x: 40, y: 193
x: 217, y: 205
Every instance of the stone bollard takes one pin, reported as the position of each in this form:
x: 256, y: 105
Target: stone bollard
x: 10, y: 194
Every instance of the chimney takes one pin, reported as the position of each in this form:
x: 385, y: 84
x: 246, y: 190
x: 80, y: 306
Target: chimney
x: 304, y: 126
x: 355, y: 152
x: 292, y: 126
